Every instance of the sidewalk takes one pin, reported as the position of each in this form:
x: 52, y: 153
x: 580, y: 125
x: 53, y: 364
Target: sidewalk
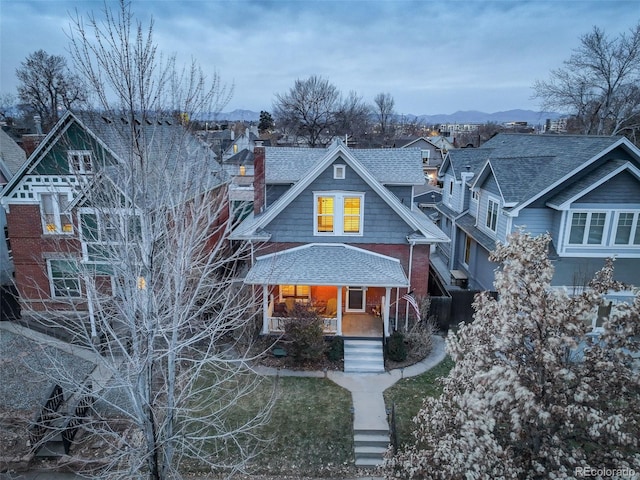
x: 367, y: 389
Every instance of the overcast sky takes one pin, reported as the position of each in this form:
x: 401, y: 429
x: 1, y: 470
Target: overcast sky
x: 431, y: 56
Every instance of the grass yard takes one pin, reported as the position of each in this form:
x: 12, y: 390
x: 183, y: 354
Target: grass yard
x: 408, y: 394
x: 311, y: 429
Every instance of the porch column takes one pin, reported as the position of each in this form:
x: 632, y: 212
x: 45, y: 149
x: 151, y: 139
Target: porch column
x: 339, y: 312
x: 387, y: 306
x: 265, y: 309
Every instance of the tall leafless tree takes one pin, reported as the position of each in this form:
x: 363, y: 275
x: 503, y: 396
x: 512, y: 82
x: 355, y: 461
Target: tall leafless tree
x: 48, y: 87
x: 384, y: 111
x: 309, y: 110
x: 599, y: 84
x: 159, y: 299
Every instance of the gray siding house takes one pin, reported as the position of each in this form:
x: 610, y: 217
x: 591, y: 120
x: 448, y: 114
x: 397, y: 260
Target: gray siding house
x: 583, y: 190
x: 337, y: 229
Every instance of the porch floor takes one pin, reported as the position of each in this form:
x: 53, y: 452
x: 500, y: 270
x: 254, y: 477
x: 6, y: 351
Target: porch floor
x: 361, y: 325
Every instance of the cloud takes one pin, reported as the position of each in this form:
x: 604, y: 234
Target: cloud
x: 432, y: 56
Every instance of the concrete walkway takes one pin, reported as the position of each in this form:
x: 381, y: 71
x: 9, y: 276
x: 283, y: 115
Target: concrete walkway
x: 369, y: 409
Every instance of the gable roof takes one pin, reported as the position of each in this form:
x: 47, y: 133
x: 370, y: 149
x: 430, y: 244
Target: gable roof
x: 161, y: 139
x: 390, y: 166
x: 591, y: 181
x: 460, y: 159
x: 527, y: 166
x: 254, y: 226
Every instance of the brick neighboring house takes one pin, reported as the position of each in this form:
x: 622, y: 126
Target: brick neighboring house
x: 12, y: 157
x: 337, y: 229
x: 49, y: 219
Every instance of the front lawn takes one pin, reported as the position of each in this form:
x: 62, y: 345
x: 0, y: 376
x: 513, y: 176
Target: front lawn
x: 409, y: 393
x: 311, y: 429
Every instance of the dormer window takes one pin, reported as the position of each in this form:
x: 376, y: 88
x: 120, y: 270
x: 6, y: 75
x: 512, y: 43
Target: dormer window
x: 80, y: 161
x: 339, y: 172
x: 492, y: 215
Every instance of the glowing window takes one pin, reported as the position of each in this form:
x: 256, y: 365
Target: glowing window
x: 325, y: 213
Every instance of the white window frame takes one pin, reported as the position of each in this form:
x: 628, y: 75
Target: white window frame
x: 496, y: 202
x: 123, y: 216
x: 634, y: 226
x: 339, y: 172
x: 587, y: 227
x: 51, y: 279
x: 57, y: 212
x: 338, y: 213
x: 81, y: 166
x: 364, y: 299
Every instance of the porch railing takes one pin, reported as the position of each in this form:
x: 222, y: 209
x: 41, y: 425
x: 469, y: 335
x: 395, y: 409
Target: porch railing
x: 329, y: 324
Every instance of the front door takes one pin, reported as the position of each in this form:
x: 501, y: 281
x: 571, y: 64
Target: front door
x: 356, y: 299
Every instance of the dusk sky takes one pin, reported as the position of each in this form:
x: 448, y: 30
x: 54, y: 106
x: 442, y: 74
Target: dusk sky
x: 431, y: 56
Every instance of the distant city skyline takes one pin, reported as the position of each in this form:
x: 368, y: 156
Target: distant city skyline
x: 433, y: 57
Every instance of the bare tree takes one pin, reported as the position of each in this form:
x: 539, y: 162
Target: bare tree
x: 353, y: 117
x: 384, y: 112
x: 599, y: 84
x: 153, y: 292
x: 47, y: 86
x: 7, y: 104
x: 522, y: 401
x: 309, y: 110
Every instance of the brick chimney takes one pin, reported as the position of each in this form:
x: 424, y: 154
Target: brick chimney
x: 259, y: 187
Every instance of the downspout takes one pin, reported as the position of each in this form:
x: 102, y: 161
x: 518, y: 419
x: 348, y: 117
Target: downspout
x: 406, y: 307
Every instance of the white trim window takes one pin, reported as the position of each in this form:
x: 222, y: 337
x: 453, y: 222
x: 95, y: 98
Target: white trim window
x: 56, y: 218
x: 100, y: 230
x: 339, y: 172
x: 492, y: 214
x: 80, y: 161
x: 627, y: 230
x: 64, y: 278
x: 587, y: 228
x: 338, y: 213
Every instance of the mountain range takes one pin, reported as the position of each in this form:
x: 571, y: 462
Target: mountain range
x: 470, y: 116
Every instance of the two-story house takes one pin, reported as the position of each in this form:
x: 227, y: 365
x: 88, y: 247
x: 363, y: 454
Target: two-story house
x: 12, y: 157
x: 583, y: 190
x: 431, y: 155
x: 60, y: 221
x: 336, y: 228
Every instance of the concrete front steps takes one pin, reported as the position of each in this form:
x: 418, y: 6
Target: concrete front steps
x: 369, y: 446
x: 363, y: 356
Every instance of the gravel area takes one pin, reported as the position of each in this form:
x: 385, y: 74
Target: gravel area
x: 29, y: 370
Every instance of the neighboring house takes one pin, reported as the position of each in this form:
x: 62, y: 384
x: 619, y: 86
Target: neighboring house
x: 583, y: 190
x: 52, y: 222
x: 242, y: 142
x: 12, y: 157
x: 431, y: 155
x: 337, y: 229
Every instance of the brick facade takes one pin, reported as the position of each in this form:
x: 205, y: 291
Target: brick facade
x: 31, y: 248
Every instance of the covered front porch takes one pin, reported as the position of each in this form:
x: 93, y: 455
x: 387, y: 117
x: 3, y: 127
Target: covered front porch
x: 353, y: 290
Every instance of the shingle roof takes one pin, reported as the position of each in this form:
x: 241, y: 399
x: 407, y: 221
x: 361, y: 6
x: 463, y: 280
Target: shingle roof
x: 11, y: 154
x: 387, y: 165
x: 327, y: 264
x: 243, y: 157
x: 525, y: 165
x: 474, y: 158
